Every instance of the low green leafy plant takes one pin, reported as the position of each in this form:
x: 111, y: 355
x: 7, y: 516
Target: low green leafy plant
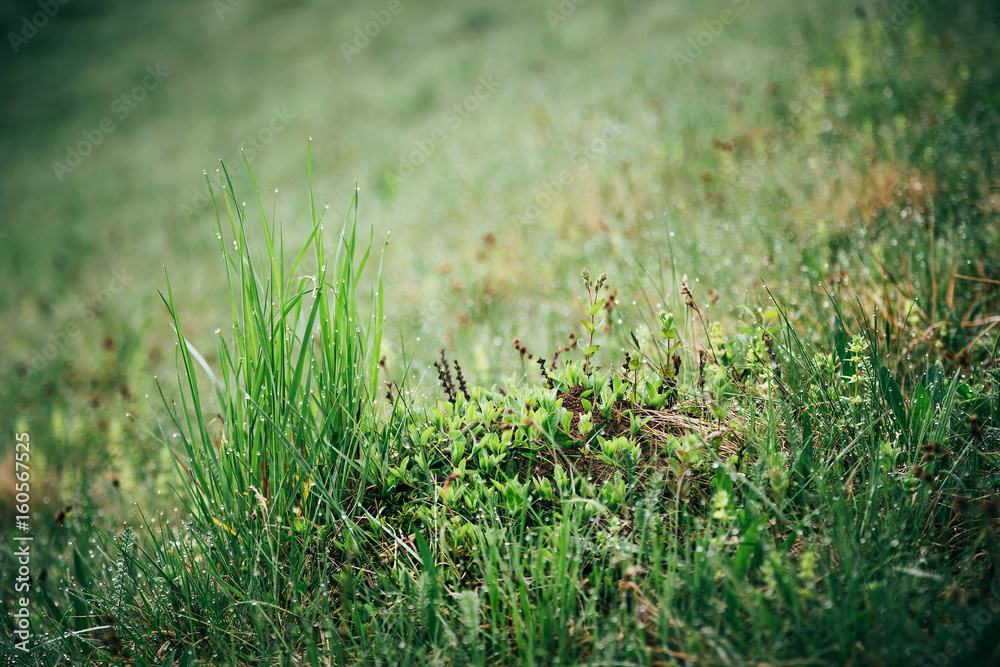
x: 719, y: 496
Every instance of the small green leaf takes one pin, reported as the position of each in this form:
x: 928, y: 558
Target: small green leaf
x: 188, y: 658
x: 594, y: 309
x: 567, y: 421
x: 591, y: 351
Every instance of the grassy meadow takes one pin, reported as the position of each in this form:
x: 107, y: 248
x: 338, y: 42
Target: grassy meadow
x: 620, y: 333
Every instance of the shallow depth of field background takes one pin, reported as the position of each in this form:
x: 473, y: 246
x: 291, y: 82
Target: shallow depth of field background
x: 734, y: 158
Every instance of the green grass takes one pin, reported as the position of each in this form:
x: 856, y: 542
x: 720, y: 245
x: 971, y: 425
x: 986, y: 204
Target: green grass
x: 758, y: 499
x: 787, y: 455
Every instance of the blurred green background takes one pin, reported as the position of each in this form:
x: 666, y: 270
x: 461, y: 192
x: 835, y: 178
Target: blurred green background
x: 740, y: 142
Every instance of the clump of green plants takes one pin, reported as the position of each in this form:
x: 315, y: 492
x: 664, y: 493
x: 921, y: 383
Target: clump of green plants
x: 721, y: 495
x: 271, y: 480
x: 750, y: 479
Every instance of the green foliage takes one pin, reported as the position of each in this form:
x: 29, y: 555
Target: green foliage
x: 793, y: 508
x: 785, y: 484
